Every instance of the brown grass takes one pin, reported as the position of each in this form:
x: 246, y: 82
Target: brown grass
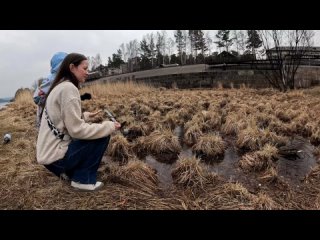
x: 233, y: 124
x: 171, y: 120
x: 283, y: 116
x: 268, y: 153
x: 316, y: 151
x: 315, y: 137
x: 269, y: 137
x: 192, y: 135
x: 259, y: 160
x: 24, y: 98
x: 139, y: 147
x: 270, y: 175
x: 136, y: 174
x: 189, y: 172
x: 162, y: 141
x: 264, y: 202
x: 315, y: 91
x: 249, y: 139
x: 314, y: 175
x: 119, y: 149
x: 116, y: 89
x: 26, y: 185
x: 212, y: 120
x: 211, y: 145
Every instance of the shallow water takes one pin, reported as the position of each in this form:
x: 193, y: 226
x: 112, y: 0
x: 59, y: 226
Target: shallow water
x: 227, y: 168
x: 295, y: 170
x: 163, y: 171
x: 290, y: 170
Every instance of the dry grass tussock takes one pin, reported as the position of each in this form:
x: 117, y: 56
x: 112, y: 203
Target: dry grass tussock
x: 315, y: 137
x: 259, y: 160
x: 189, y: 172
x: 249, y: 139
x: 162, y: 141
x: 136, y: 174
x: 210, y: 145
x: 117, y: 89
x: 120, y: 148
x: 24, y: 98
x: 192, y: 135
x: 212, y: 120
x: 233, y: 124
x: 314, y: 175
x: 270, y: 175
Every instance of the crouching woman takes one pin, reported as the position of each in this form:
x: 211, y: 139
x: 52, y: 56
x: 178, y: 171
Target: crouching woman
x: 67, y: 145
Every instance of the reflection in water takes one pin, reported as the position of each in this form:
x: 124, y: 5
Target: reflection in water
x: 295, y: 170
x: 186, y: 152
x: 163, y: 171
x: 227, y: 168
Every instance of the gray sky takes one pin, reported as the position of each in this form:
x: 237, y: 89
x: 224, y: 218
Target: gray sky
x: 25, y: 55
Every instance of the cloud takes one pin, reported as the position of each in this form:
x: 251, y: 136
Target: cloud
x: 26, y: 54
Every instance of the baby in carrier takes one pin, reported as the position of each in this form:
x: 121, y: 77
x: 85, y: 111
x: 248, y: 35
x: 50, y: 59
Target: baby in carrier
x: 44, y: 84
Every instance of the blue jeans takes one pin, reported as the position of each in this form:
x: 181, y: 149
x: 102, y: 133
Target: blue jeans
x: 82, y: 160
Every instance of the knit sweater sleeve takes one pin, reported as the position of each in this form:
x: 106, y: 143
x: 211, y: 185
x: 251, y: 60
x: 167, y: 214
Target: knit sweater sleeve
x: 77, y: 127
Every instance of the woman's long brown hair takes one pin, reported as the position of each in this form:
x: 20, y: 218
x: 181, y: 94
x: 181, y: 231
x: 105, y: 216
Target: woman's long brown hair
x: 64, y: 73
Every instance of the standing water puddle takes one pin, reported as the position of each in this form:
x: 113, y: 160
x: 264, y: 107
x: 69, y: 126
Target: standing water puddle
x: 227, y: 168
x: 294, y: 170
x: 163, y: 171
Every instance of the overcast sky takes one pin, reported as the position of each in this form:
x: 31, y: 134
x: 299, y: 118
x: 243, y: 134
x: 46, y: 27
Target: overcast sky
x: 25, y: 55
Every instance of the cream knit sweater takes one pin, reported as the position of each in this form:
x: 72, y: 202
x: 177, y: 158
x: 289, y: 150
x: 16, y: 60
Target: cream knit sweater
x: 64, y: 110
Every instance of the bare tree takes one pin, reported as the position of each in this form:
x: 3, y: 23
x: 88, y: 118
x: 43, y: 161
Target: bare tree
x: 208, y: 41
x: 98, y: 60
x: 180, y: 43
x: 90, y: 62
x: 284, y: 50
x: 185, y: 39
x: 239, y: 37
x: 94, y: 62
x: 192, y: 41
x: 132, y: 48
x: 170, y: 46
x: 152, y: 47
x: 124, y: 52
x: 161, y: 44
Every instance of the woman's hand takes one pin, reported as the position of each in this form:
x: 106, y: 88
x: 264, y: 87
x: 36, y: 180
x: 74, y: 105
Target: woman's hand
x: 117, y: 125
x: 88, y: 115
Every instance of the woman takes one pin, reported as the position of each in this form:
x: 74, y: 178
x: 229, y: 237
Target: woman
x: 66, y: 144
